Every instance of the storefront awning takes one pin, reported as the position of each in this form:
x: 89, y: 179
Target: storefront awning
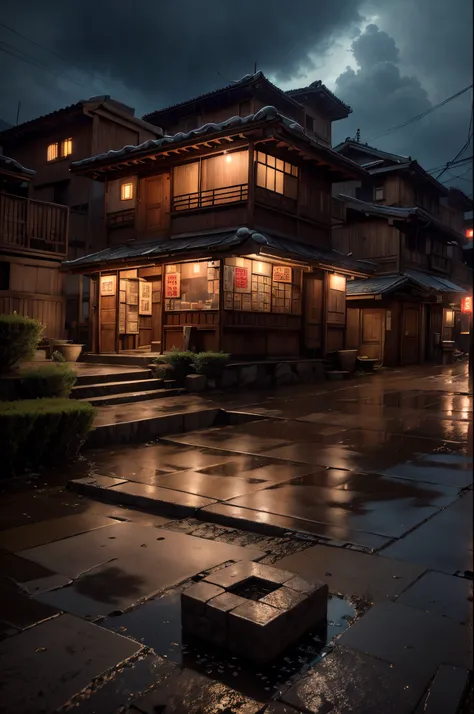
x: 434, y: 282
x: 242, y: 240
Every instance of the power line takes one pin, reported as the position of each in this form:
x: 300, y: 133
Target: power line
x: 423, y: 114
x: 460, y: 162
x: 33, y: 61
x: 55, y: 54
x: 462, y: 150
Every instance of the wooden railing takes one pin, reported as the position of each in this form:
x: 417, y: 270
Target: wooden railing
x: 28, y: 225
x: 211, y: 197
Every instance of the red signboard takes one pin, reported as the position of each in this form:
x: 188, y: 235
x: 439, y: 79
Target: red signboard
x: 172, y: 285
x: 469, y: 232
x: 242, y: 278
x: 466, y: 304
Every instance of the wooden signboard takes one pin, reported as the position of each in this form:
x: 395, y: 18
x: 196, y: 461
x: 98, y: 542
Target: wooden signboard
x: 108, y: 285
x: 281, y: 274
x: 144, y: 305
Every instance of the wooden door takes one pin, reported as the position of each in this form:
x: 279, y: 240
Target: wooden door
x: 313, y: 313
x: 372, y: 334
x: 410, y: 335
x: 157, y: 203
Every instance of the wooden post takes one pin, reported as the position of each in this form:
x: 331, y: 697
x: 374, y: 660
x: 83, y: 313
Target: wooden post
x: 99, y: 276
x: 324, y: 315
x: 79, y: 309
x: 117, y: 314
x: 220, y: 317
x: 251, y: 186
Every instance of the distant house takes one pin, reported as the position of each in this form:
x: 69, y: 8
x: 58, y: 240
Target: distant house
x: 412, y: 227
x: 219, y: 233
x: 49, y: 144
x: 33, y: 242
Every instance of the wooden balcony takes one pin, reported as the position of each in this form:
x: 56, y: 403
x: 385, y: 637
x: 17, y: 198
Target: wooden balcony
x: 28, y: 226
x: 210, y: 198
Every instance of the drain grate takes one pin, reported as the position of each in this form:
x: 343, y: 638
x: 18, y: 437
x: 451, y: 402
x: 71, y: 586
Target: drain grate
x: 254, y: 588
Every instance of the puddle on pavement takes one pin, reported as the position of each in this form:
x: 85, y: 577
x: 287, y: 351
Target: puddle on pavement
x: 157, y: 624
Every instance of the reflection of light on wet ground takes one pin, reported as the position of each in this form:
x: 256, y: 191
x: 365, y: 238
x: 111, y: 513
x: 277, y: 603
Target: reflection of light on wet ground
x: 157, y: 624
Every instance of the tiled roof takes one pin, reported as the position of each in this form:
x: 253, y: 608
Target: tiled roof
x: 319, y: 86
x: 388, y: 283
x: 375, y: 286
x: 12, y: 166
x: 219, y: 242
x: 245, y: 81
x: 400, y: 213
x: 266, y: 114
x: 352, y: 144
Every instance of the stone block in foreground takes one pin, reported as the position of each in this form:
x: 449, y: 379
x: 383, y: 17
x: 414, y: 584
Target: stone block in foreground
x: 253, y: 610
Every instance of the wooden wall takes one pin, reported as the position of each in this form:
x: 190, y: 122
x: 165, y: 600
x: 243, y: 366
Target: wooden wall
x: 373, y: 239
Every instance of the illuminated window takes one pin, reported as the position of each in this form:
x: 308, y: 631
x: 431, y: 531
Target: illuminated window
x: 449, y: 318
x: 469, y: 233
x: 337, y: 282
x: 277, y: 175
x: 53, y: 152
x: 378, y: 193
x: 66, y: 147
x: 126, y: 191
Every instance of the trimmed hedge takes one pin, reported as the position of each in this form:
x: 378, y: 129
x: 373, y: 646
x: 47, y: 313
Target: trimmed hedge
x: 179, y: 364
x: 40, y: 432
x: 52, y: 380
x: 210, y: 364
x: 19, y: 337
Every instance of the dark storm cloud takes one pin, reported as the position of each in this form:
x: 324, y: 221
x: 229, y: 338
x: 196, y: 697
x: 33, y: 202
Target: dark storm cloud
x: 382, y: 96
x: 165, y: 52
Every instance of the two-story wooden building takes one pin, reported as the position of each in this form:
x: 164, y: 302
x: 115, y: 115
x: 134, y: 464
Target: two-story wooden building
x: 49, y: 144
x: 411, y: 227
x: 33, y: 242
x: 224, y: 229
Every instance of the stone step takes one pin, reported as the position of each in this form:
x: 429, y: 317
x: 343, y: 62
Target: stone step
x: 91, y: 391
x: 126, y: 376
x: 127, y: 397
x: 122, y: 359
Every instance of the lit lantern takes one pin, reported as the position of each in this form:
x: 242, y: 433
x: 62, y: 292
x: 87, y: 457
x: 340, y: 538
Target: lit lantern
x: 469, y: 233
x: 466, y: 305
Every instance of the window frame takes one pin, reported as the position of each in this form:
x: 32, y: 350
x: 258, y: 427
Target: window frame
x: 50, y: 146
x: 123, y: 185
x: 376, y: 189
x: 270, y: 164
x: 66, y: 143
x: 61, y: 147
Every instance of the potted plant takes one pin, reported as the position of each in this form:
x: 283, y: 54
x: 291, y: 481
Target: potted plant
x: 70, y: 351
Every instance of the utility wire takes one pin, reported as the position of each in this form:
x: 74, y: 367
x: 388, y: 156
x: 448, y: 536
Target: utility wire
x: 423, y: 114
x: 459, y: 162
x: 35, y: 63
x: 55, y: 54
x: 462, y: 150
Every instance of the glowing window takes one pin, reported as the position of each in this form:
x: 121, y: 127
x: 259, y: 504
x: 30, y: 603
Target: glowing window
x: 276, y: 175
x: 449, y: 318
x: 66, y: 147
x: 337, y: 282
x: 126, y: 191
x: 469, y: 232
x: 53, y: 152
x: 379, y: 194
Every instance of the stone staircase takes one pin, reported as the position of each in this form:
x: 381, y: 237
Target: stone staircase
x: 121, y: 388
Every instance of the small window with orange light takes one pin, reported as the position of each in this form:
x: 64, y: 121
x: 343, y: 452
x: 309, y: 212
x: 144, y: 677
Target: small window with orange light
x: 126, y: 191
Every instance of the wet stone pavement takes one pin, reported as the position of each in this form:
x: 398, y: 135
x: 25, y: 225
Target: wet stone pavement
x: 365, y: 485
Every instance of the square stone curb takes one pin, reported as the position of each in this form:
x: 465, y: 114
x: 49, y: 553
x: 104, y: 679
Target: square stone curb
x: 258, y: 630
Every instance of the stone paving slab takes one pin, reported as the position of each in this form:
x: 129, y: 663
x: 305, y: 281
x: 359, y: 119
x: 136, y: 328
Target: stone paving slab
x: 16, y: 539
x: 261, y: 521
x: 349, y: 681
x: 43, y: 667
x: 20, y: 611
x: 446, y: 691
x: 370, y: 577
x: 415, y: 641
x: 435, y: 473
x: 187, y: 692
x: 443, y: 543
x: 441, y: 594
x: 114, y: 571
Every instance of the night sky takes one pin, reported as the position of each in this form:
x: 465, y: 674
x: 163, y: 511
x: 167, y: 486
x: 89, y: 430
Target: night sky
x: 388, y: 60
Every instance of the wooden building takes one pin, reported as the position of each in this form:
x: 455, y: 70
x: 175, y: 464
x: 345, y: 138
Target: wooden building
x: 33, y: 242
x: 49, y: 144
x: 220, y: 238
x: 411, y: 226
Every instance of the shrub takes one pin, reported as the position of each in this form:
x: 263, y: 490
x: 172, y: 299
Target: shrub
x: 48, y: 381
x: 180, y: 362
x: 58, y: 357
x: 39, y: 432
x: 210, y: 364
x: 19, y: 337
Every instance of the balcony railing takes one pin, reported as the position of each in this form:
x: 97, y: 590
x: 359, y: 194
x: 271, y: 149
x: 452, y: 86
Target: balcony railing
x: 27, y: 225
x: 211, y: 197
